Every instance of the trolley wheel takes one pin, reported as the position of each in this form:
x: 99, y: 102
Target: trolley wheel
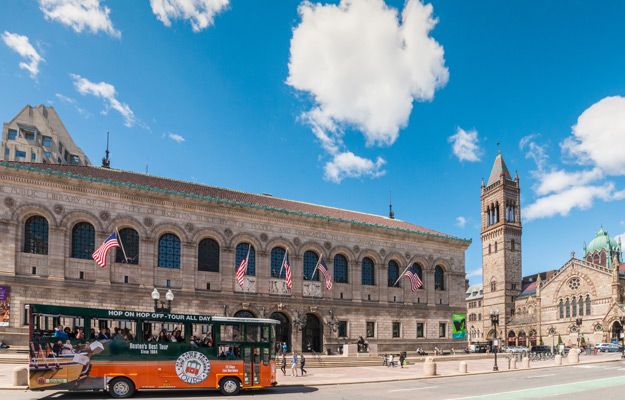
x: 229, y: 386
x: 121, y: 388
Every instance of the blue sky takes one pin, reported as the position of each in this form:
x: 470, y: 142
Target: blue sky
x: 339, y: 104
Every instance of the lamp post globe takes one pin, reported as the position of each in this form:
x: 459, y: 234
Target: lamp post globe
x: 169, y: 295
x: 155, y: 294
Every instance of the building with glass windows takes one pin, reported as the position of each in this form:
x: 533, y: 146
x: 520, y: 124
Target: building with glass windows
x: 190, y: 238
x: 37, y: 134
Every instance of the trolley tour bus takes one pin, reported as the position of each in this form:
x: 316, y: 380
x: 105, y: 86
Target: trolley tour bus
x: 73, y: 348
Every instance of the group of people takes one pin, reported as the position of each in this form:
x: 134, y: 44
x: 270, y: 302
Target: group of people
x: 294, y: 360
x: 67, y: 332
x: 389, y: 360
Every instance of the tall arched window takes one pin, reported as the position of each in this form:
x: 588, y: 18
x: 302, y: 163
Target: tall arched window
x: 596, y: 258
x: 340, y: 269
x: 581, y: 306
x: 36, y: 235
x: 574, y: 308
x: 169, y: 251
x: 83, y: 240
x: 419, y: 271
x: 561, y: 309
x: 244, y: 314
x: 310, y: 262
x: 277, y: 258
x: 208, y: 255
x: 393, y: 273
x: 367, y: 272
x: 589, y: 258
x: 602, y: 261
x: 241, y: 253
x: 588, y: 305
x: 439, y: 278
x: 568, y: 308
x: 493, y: 286
x: 129, y: 238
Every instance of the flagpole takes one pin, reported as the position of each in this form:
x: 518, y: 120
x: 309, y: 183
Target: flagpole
x: 283, y: 260
x: 316, y: 266
x: 402, y: 274
x: 119, y: 240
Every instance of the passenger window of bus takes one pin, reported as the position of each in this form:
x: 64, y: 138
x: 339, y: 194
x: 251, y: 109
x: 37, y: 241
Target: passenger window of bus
x: 264, y: 334
x: 163, y: 332
x: 252, y: 333
x: 229, y: 352
x: 123, y: 330
x: 231, y: 333
x: 202, y: 335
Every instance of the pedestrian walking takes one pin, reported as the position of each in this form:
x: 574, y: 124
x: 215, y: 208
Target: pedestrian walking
x: 283, y: 367
x: 401, y: 360
x: 302, y: 362
x: 390, y: 361
x: 385, y: 360
x: 284, y: 348
x: 453, y: 351
x: 294, y: 365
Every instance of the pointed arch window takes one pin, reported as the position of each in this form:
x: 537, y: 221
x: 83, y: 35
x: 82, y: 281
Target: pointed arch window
x: 602, y: 260
x: 310, y: 262
x: 241, y: 253
x: 439, y: 278
x: 561, y: 309
x: 589, y: 258
x: 208, y: 255
x: 169, y: 251
x: 277, y: 258
x: 340, y: 269
x: 367, y: 272
x: 568, y: 308
x: 581, y: 306
x: 419, y: 271
x: 36, y: 235
x: 596, y: 258
x: 493, y: 286
x: 83, y: 240
x: 393, y: 273
x: 574, y: 307
x: 129, y: 238
x: 588, y: 305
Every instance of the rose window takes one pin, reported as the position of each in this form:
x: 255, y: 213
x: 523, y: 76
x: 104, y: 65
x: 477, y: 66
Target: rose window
x: 574, y: 283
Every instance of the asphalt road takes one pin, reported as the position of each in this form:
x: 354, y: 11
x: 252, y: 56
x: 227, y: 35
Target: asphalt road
x: 592, y: 382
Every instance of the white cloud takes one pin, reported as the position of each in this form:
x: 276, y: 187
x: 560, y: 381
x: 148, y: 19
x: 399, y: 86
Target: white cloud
x: 558, y: 180
x: 535, y: 151
x: 22, y: 46
x: 201, y: 13
x: 579, y: 197
x: 465, y: 145
x: 475, y: 272
x: 106, y: 92
x: 599, y: 136
x: 363, y: 68
x: 176, y: 137
x: 80, y: 15
x: 73, y: 102
x: 348, y: 165
x: 461, y: 221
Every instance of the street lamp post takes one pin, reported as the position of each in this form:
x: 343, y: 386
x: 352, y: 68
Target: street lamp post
x: 494, y: 319
x: 156, y: 296
x: 578, y: 322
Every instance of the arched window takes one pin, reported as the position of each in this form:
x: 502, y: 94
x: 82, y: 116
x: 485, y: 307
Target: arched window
x: 512, y: 245
x: 588, y: 305
x: 574, y: 308
x: 310, y: 262
x: 602, y: 260
x: 589, y: 258
x: 596, y: 258
x: 244, y: 314
x: 169, y: 251
x: 568, y: 308
x: 489, y: 249
x: 36, y: 235
x: 561, y: 309
x: 524, y: 310
x: 277, y: 258
x: 581, y: 306
x: 241, y: 253
x: 340, y: 269
x: 419, y: 271
x: 493, y: 286
x: 367, y: 272
x: 83, y: 239
x: 439, y: 278
x: 129, y: 238
x: 208, y: 255
x: 393, y: 273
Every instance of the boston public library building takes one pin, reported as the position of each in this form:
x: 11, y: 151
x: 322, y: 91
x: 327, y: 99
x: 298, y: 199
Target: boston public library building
x: 190, y: 238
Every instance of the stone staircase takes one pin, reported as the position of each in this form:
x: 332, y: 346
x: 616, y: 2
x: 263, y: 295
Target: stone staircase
x: 14, y: 355
x: 373, y: 360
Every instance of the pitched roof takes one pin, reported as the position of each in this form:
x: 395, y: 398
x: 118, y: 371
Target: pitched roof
x: 135, y: 180
x: 528, y: 290
x: 499, y: 169
x: 474, y: 292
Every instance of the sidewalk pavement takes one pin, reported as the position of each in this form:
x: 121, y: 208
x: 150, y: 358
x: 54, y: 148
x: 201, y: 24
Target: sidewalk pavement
x: 350, y: 375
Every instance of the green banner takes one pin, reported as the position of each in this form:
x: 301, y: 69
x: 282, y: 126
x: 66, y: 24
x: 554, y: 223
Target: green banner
x: 459, y: 326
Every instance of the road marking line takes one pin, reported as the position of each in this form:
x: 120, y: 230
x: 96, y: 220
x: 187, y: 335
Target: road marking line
x: 405, y: 390
x: 539, y: 376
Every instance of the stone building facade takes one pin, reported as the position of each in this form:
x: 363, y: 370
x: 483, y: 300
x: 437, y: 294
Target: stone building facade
x: 190, y: 238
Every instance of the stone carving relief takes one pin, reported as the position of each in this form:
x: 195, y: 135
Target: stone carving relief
x: 9, y: 202
x: 147, y: 221
x: 312, y: 289
x: 407, y: 256
x: 278, y: 286
x: 382, y: 252
x: 189, y: 227
x: 297, y: 242
x: 228, y: 232
x: 58, y: 209
x: 263, y: 237
x: 356, y: 249
x: 327, y: 245
x: 105, y: 215
x: 249, y: 285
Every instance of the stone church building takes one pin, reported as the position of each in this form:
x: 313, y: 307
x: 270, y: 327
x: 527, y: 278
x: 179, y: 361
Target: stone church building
x: 581, y: 302
x: 189, y: 238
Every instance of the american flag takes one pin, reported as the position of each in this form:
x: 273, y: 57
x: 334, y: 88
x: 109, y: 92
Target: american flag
x: 415, y: 282
x: 287, y: 269
x: 100, y: 254
x: 243, y: 267
x: 324, y: 270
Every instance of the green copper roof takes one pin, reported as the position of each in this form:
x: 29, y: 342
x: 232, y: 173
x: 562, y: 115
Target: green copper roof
x: 499, y: 169
x: 602, y: 241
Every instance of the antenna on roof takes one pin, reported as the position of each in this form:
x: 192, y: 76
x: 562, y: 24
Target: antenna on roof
x: 498, y: 149
x: 106, y: 163
x: 391, y: 214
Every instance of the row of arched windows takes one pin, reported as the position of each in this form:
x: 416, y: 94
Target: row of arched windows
x: 597, y: 258
x: 572, y: 307
x: 169, y: 252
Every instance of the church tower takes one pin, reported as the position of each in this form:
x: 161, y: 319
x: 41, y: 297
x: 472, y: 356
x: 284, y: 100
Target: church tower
x: 501, y: 245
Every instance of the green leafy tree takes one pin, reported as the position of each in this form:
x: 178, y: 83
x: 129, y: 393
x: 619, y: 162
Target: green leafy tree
x: 540, y: 342
x: 582, y: 342
x: 560, y: 339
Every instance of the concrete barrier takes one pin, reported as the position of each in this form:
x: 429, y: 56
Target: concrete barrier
x: 513, y: 363
x: 462, y: 367
x: 573, y: 357
x: 20, y: 376
x: 557, y: 360
x: 429, y: 367
x: 525, y: 362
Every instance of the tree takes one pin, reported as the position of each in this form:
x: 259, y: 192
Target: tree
x: 560, y: 339
x: 540, y: 342
x: 582, y: 342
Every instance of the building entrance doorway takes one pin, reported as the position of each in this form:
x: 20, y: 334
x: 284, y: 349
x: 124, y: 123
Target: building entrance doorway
x: 312, y: 334
x: 283, y: 331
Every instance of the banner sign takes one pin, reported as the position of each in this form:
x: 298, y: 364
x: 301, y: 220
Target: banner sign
x: 459, y: 326
x: 4, y: 306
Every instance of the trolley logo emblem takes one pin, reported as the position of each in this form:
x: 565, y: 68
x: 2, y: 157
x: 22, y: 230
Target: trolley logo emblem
x: 192, y: 367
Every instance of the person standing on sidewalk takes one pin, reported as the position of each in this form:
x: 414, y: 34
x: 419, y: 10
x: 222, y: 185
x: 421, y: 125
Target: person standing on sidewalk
x: 294, y: 365
x: 283, y: 367
x: 385, y: 360
x: 302, y: 362
x: 390, y: 361
x: 401, y: 359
